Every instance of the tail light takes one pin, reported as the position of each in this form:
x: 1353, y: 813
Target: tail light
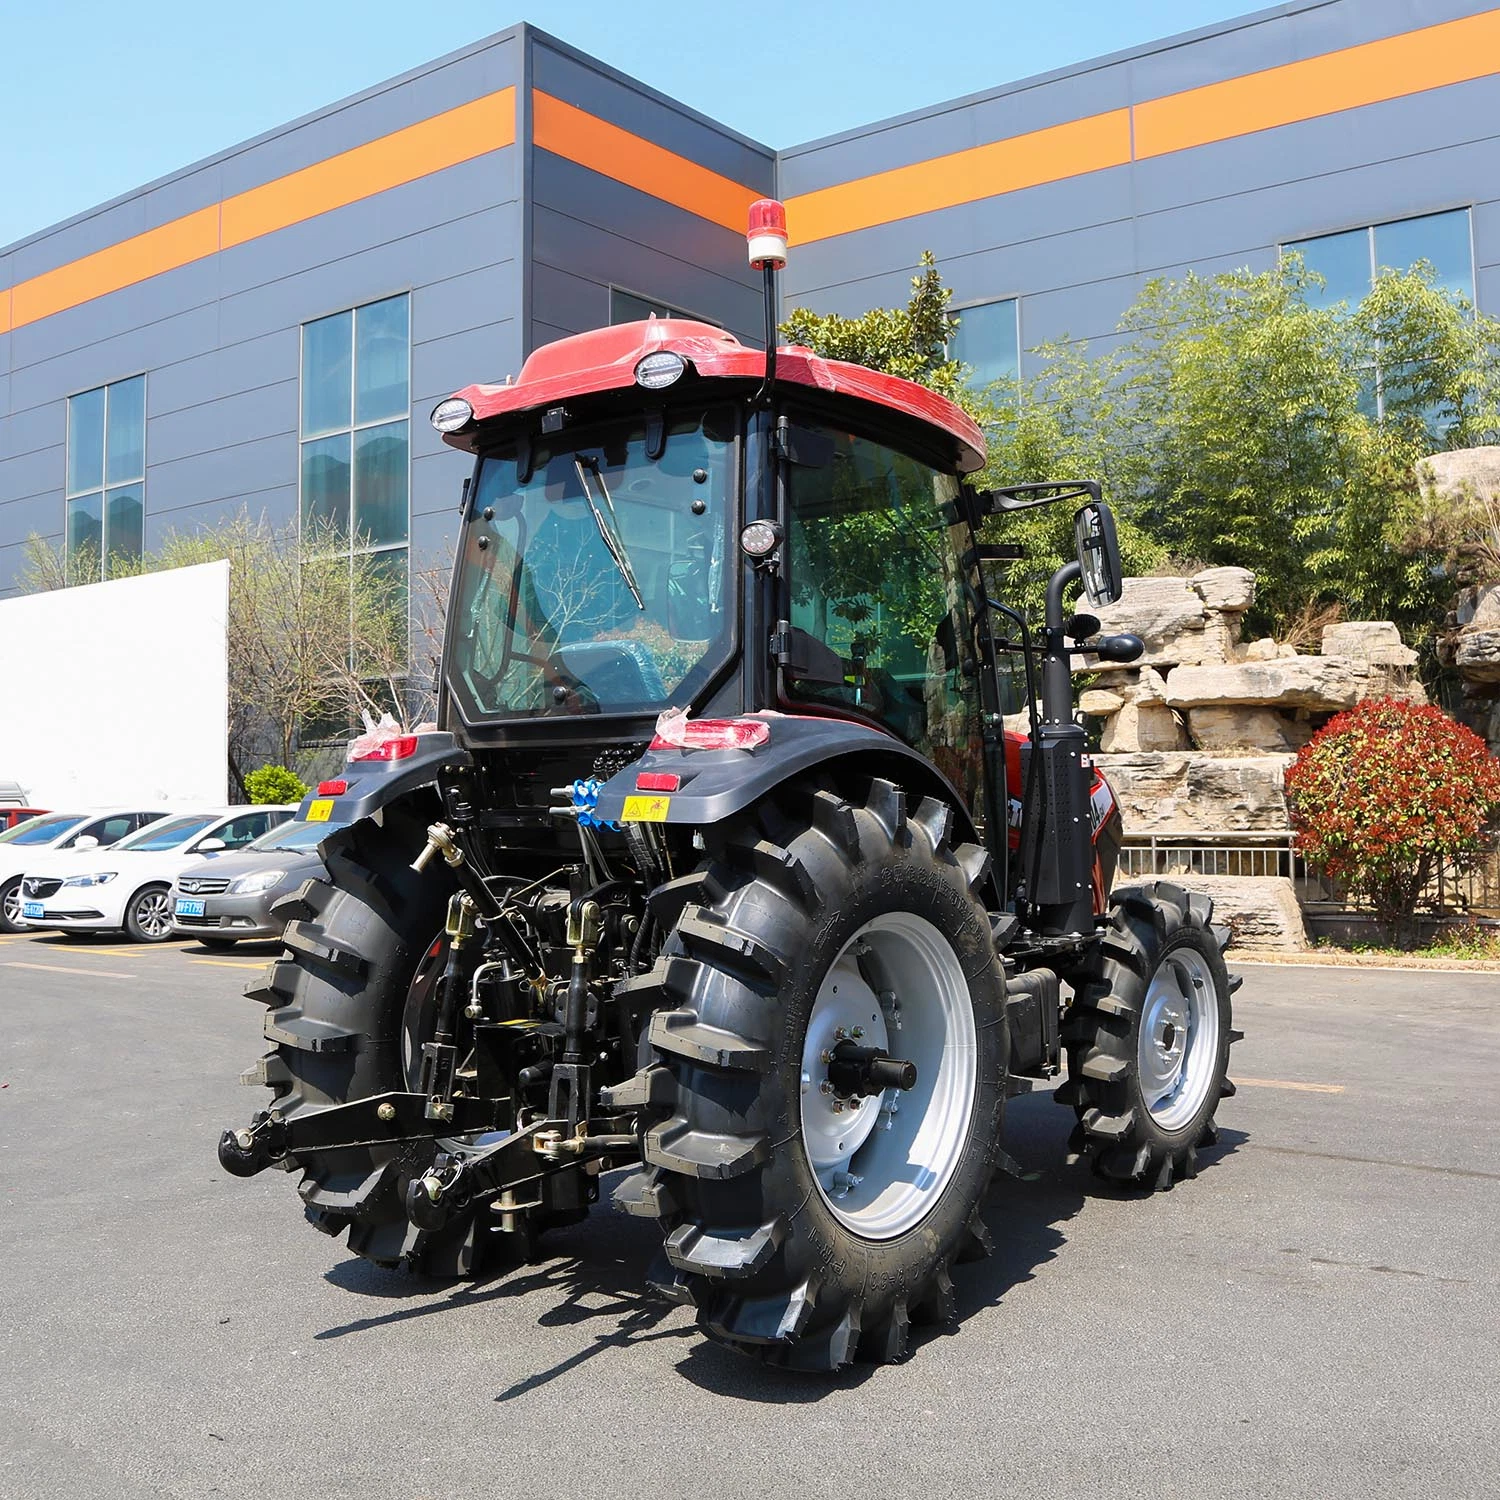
x: 657, y: 781
x: 711, y: 734
x: 398, y: 748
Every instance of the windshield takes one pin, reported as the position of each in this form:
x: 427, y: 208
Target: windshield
x: 41, y: 830
x: 597, y: 579
x: 168, y: 834
x: 295, y: 837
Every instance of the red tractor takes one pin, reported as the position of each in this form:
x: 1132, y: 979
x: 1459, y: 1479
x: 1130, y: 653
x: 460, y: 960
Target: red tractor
x: 722, y: 866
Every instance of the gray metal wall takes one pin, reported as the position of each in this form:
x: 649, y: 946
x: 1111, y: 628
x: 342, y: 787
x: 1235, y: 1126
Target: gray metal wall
x: 590, y: 232
x: 219, y: 339
x: 1077, y: 251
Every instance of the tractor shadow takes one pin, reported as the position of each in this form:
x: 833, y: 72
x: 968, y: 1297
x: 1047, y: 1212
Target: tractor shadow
x: 592, y: 1276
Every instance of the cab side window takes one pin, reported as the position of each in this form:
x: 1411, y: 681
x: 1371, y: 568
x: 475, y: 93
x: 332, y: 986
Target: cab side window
x: 244, y: 830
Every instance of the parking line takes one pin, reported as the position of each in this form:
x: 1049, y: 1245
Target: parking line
x: 16, y: 963
x: 229, y: 963
x: 1282, y: 1083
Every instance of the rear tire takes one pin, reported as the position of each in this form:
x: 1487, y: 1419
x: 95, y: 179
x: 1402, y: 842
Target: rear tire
x: 808, y: 907
x: 1148, y: 1038
x: 337, y: 996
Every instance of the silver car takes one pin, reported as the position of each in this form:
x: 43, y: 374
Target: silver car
x: 229, y: 899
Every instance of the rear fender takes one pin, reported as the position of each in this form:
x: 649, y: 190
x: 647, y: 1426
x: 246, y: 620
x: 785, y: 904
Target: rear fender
x: 713, y: 785
x: 372, y: 784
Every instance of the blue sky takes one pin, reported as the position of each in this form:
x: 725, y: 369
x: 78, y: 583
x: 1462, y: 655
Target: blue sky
x: 101, y: 97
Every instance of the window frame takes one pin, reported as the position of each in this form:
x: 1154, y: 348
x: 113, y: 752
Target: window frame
x: 104, y: 486
x: 671, y: 310
x: 349, y: 550
x: 1368, y: 230
x: 958, y: 311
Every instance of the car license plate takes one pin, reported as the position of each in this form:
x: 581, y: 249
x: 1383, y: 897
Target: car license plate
x: 187, y: 908
x: 31, y: 909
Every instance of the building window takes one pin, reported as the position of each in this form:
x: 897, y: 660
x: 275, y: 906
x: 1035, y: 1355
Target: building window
x: 106, y: 476
x: 626, y: 307
x: 987, y: 338
x: 355, y: 431
x: 1350, y: 261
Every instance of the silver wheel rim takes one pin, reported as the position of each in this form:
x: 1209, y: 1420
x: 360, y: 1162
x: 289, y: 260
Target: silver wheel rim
x: 153, y: 914
x: 882, y: 1163
x: 12, y: 906
x: 1178, y: 1046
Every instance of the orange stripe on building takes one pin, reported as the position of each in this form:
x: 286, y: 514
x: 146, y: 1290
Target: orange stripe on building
x: 1371, y: 73
x: 1019, y: 161
x: 165, y: 248
x: 445, y: 140
x: 568, y: 131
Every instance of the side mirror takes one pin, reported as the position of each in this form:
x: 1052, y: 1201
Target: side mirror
x: 1098, y: 553
x: 86, y: 841
x: 210, y: 846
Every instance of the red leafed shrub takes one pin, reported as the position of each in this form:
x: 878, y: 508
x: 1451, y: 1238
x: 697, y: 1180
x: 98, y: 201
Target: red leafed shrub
x: 1382, y: 793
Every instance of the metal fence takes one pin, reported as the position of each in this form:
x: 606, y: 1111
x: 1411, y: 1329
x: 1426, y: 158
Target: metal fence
x: 1471, y: 888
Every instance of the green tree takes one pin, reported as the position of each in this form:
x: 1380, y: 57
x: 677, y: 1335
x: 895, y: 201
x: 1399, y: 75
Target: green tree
x: 270, y: 785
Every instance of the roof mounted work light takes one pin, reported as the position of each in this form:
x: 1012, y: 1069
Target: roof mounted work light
x: 450, y: 415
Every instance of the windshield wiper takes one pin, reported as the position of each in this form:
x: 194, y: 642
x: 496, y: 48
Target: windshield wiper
x: 608, y: 530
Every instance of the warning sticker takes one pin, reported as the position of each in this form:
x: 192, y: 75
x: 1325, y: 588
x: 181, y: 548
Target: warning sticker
x: 321, y: 810
x: 646, y: 809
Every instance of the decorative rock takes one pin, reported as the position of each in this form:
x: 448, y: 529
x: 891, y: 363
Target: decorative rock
x: 1476, y: 654
x: 1375, y: 641
x: 1142, y: 725
x: 1264, y: 649
x: 1261, y: 911
x: 1188, y: 791
x: 1164, y: 612
x: 1099, y: 702
x: 1244, y: 729
x: 1318, y: 682
x: 1231, y: 589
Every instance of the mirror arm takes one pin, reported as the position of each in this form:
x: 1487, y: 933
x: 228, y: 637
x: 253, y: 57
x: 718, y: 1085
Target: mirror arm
x: 1057, y: 676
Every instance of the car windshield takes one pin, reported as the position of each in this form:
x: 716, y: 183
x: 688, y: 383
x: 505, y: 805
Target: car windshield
x: 41, y: 830
x: 295, y: 837
x: 168, y: 834
x: 596, y: 573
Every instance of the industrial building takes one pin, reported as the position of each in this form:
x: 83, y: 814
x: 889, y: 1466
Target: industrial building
x: 267, y: 329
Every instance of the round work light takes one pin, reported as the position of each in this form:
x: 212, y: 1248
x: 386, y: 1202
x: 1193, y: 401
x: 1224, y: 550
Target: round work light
x: 450, y: 415
x: 659, y: 369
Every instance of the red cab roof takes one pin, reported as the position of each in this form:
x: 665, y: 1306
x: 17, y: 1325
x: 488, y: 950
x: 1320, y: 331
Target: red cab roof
x: 605, y: 360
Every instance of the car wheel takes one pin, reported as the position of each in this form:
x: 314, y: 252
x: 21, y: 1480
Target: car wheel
x: 10, y: 906
x: 148, y: 918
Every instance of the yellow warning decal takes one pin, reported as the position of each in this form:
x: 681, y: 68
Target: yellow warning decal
x: 646, y: 809
x: 321, y: 810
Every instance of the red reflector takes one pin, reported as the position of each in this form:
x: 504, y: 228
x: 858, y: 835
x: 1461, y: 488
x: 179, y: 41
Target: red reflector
x: 711, y: 734
x: 657, y: 781
x: 396, y: 749
x: 332, y: 788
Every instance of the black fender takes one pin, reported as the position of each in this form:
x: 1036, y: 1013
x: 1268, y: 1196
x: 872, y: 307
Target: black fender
x: 713, y: 785
x: 370, y: 785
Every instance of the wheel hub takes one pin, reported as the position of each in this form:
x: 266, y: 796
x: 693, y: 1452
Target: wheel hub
x: 1178, y: 1039
x: 882, y: 1159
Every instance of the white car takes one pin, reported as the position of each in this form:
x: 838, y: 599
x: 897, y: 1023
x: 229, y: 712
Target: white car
x: 129, y: 885
x: 38, y: 837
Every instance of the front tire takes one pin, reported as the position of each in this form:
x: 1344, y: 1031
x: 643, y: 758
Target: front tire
x: 805, y: 1229
x: 10, y: 906
x: 1148, y: 1038
x: 148, y: 917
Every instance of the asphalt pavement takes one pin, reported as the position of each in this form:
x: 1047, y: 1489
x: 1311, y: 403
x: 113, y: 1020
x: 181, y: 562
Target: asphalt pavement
x: 1315, y: 1315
